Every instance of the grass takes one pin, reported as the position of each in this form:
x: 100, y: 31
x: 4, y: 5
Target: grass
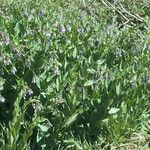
x: 74, y: 75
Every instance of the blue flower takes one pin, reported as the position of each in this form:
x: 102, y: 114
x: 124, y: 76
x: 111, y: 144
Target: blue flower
x: 145, y: 78
x: 41, y: 13
x: 28, y: 93
x: 62, y: 29
x: 30, y: 17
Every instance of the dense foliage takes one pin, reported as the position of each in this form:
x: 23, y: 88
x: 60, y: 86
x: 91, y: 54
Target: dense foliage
x: 74, y: 75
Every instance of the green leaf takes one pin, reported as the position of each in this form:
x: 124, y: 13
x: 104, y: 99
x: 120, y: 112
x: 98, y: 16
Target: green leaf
x: 2, y: 81
x: 57, y: 84
x: 43, y: 128
x: 118, y: 89
x: 91, y: 70
x: 17, y: 28
x: 70, y: 120
x: 75, y: 53
x: 113, y: 110
x: 99, y: 62
x: 77, y: 144
x: 89, y: 82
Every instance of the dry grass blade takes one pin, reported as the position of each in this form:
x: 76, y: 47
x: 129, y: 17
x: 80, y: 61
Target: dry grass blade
x: 122, y: 11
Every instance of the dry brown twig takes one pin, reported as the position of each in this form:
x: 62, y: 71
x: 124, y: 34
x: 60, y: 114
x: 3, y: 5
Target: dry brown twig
x: 109, y: 5
x: 132, y: 15
x: 121, y: 11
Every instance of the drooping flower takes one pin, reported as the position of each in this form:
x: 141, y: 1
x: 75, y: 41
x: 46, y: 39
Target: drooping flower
x: 5, y: 60
x: 145, y: 78
x: 34, y: 78
x: 30, y: 17
x: 56, y: 71
x: 28, y: 93
x: 37, y: 106
x: 119, y: 52
x: 13, y: 70
x: 6, y: 40
x: 41, y: 13
x: 2, y: 99
x: 96, y: 43
x: 80, y: 30
x: 62, y: 29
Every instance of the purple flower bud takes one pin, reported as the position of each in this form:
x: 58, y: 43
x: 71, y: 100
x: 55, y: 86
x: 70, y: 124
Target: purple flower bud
x: 1, y: 74
x: 79, y: 88
x: 96, y: 43
x: 62, y: 29
x: 80, y: 30
x: 6, y: 40
x: 145, y: 78
x: 30, y: 17
x: 135, y: 51
x: 41, y: 13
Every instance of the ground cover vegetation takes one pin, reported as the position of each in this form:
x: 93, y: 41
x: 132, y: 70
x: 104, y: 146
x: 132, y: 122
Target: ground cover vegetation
x: 74, y: 74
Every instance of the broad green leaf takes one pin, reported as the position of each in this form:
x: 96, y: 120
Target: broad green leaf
x: 89, y: 82
x: 43, y: 128
x: 91, y: 70
x: 99, y: 62
x: 113, y: 110
x: 75, y: 53
x: 17, y: 28
x: 70, y: 120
